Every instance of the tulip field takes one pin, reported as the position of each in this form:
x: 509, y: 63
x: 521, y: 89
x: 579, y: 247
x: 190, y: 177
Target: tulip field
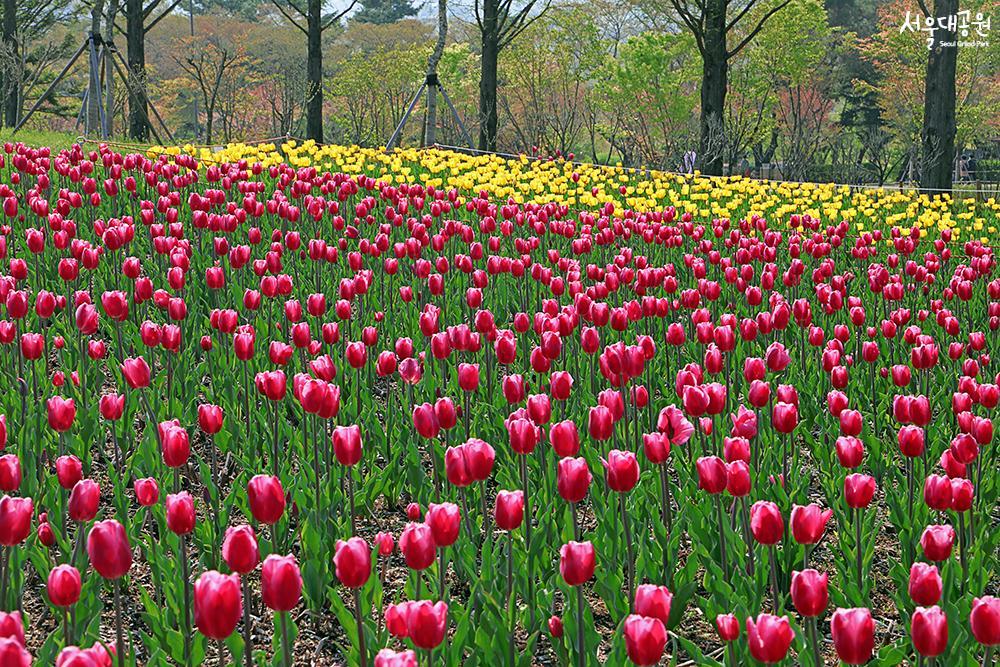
x: 304, y: 405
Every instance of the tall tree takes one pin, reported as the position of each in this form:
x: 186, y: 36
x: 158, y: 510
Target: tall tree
x: 9, y: 82
x: 316, y: 25
x: 430, y: 124
x: 384, y: 11
x: 139, y: 20
x: 208, y: 60
x: 499, y: 22
x: 93, y: 125
x: 712, y: 22
x: 938, y: 134
x: 110, y: 16
x: 244, y: 9
x: 26, y: 51
x: 900, y: 60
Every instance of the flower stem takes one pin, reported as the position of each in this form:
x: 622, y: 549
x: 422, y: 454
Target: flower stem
x: 857, y: 548
x: 722, y: 536
x: 247, y: 625
x: 350, y: 499
x: 286, y: 653
x: 510, y: 598
x: 119, y: 634
x: 629, y: 559
x: 909, y: 485
x: 747, y: 537
x: 814, y: 640
x: 442, y: 571
x: 527, y: 541
x: 359, y: 618
x: 4, y: 554
x: 576, y: 522
x: 962, y: 547
x: 666, y: 516
x: 778, y: 603
x: 185, y: 631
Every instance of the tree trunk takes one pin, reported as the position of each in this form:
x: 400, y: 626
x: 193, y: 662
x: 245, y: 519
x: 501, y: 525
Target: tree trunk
x: 94, y: 102
x: 715, y: 71
x: 938, y: 136
x: 135, y: 35
x: 430, y: 129
x: 314, y: 72
x: 488, y: 77
x: 11, y: 85
x: 109, y: 67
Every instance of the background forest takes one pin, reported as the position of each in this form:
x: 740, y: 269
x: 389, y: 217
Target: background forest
x: 828, y: 91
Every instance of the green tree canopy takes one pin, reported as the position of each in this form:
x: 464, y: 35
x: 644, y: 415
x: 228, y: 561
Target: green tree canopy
x: 385, y: 11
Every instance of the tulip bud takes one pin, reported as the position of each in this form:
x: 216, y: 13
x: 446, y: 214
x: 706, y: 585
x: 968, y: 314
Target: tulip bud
x: 653, y: 601
x: 859, y: 490
x: 808, y: 523
x: 13, y: 653
x: 347, y: 444
x: 766, y: 522
x: 389, y: 658
x: 937, y: 492
x: 63, y: 586
x: 850, y: 451
x: 985, y: 620
x: 12, y: 626
x: 937, y: 541
x: 180, y: 513
x: 69, y: 471
x: 925, y: 584
x: 147, y: 492
x: 929, y: 630
x: 645, y: 639
x: 769, y: 637
x: 108, y: 549
x: 509, y: 509
x: 785, y: 417
x: 853, y: 632
x: 266, y: 498
x: 210, y: 418
x: 728, y: 627
x: 711, y: 474
x: 600, y: 423
x: 418, y: 547
x: 239, y: 549
x: 218, y: 604
x: 738, y: 479
x: 809, y: 592
x: 573, y: 479
x: 10, y: 472
x: 622, y: 470
x: 83, y: 500
x: 281, y: 582
x: 176, y: 444
x: 576, y: 562
x: 564, y: 438
x: 962, y: 494
x: 444, y: 521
